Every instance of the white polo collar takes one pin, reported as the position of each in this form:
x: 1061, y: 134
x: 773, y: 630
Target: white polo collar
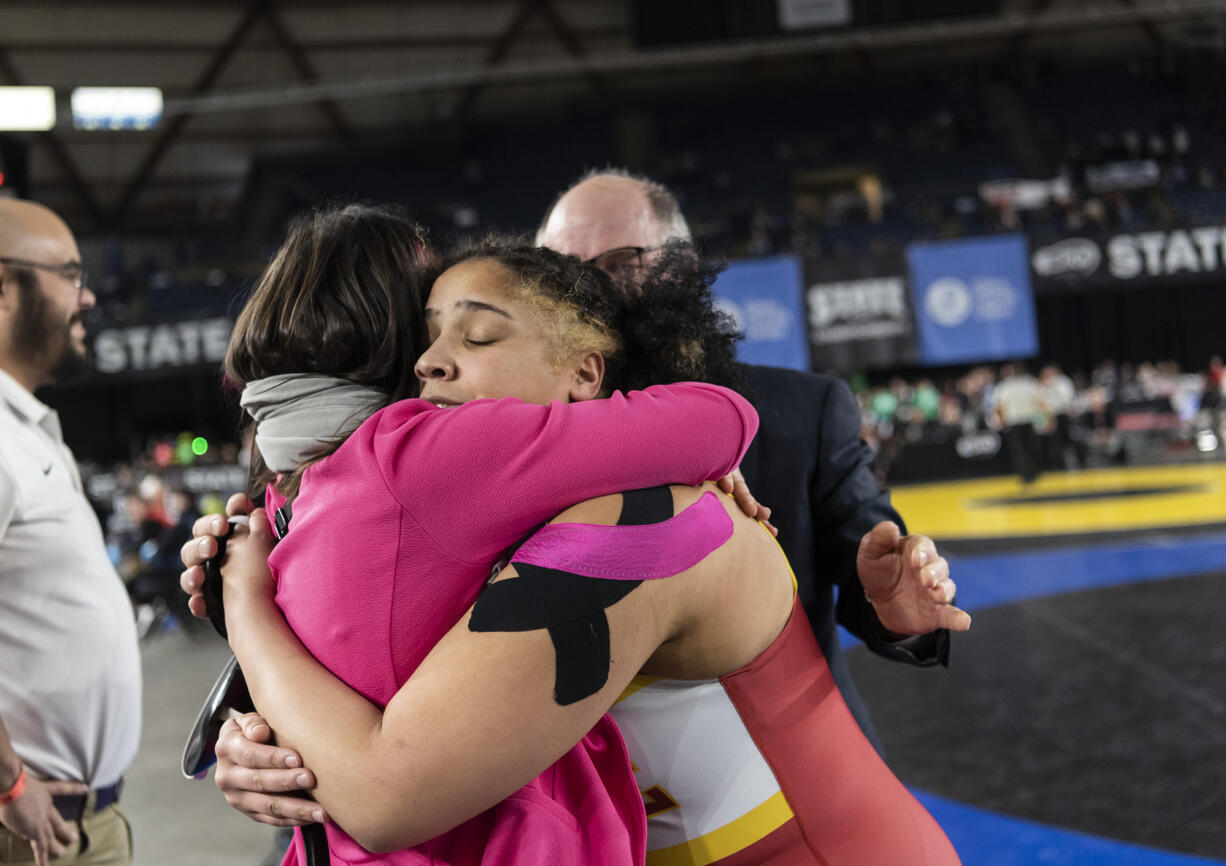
x: 28, y: 407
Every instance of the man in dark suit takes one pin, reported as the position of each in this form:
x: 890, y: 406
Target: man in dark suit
x: 808, y: 463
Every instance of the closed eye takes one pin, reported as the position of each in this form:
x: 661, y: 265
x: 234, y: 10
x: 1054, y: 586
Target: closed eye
x: 480, y: 342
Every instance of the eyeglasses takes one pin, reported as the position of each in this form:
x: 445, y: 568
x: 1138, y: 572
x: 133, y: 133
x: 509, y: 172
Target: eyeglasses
x: 72, y: 272
x: 620, y: 259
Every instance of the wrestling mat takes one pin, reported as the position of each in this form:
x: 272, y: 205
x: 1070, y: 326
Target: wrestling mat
x: 1082, y: 720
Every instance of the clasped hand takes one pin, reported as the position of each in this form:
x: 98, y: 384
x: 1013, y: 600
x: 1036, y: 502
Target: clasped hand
x: 245, y: 570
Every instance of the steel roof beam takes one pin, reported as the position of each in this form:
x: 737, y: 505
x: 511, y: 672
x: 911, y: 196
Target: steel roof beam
x: 572, y: 45
x: 52, y: 143
x: 203, y: 85
x: 307, y: 72
x: 1055, y: 21
x: 1147, y: 26
x: 497, y: 53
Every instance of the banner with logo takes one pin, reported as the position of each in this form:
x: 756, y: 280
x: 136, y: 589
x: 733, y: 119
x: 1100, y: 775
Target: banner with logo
x: 138, y: 348
x: 763, y: 297
x: 972, y: 300
x: 859, y: 315
x: 1183, y: 256
x: 979, y: 454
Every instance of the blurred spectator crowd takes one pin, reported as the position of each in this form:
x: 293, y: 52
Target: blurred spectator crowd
x: 920, y: 429
x: 1048, y: 151
x: 1114, y: 414
x: 147, y: 507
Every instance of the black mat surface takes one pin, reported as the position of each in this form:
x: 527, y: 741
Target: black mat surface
x: 1101, y: 711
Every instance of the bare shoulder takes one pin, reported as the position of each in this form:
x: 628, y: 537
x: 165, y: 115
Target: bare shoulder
x: 607, y: 510
x: 723, y: 605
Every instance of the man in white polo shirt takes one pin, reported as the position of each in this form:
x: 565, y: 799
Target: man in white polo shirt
x: 1018, y: 406
x: 70, y: 679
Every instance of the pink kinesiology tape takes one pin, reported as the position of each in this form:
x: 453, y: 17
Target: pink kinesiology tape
x: 643, y: 552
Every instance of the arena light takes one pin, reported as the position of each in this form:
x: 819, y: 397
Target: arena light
x: 116, y: 107
x: 803, y: 14
x: 27, y: 109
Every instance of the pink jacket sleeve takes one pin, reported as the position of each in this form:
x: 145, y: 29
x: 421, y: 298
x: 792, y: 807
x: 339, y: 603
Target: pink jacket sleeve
x: 478, y: 477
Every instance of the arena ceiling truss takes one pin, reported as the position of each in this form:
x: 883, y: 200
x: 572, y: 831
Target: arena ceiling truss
x: 244, y: 78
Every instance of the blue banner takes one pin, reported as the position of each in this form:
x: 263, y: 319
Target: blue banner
x: 972, y: 300
x: 763, y: 296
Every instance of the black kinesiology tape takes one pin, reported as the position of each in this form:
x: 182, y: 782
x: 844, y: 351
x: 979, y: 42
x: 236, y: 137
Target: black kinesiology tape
x: 571, y: 606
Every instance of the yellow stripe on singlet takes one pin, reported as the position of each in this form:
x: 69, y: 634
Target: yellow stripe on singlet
x: 729, y: 839
x: 640, y: 681
x: 791, y: 573
x: 795, y: 584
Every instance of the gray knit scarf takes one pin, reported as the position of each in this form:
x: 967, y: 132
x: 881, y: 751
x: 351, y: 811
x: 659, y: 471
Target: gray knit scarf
x: 298, y: 415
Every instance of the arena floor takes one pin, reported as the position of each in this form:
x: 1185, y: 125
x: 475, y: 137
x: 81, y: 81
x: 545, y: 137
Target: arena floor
x: 176, y: 822
x: 1082, y: 720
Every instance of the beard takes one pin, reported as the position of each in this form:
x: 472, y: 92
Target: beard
x: 40, y: 334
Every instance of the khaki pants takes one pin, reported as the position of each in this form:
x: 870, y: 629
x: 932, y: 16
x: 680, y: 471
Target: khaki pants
x: 105, y: 839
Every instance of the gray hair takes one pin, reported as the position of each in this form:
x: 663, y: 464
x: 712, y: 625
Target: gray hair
x: 663, y: 203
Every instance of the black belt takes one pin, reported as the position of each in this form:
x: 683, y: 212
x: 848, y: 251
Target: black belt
x: 72, y: 806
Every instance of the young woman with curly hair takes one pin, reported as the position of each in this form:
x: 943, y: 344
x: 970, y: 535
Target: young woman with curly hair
x: 399, y: 511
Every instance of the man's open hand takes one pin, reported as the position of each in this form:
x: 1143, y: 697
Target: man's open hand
x: 907, y: 582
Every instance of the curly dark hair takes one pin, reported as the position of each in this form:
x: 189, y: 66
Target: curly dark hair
x: 662, y: 329
x: 673, y: 330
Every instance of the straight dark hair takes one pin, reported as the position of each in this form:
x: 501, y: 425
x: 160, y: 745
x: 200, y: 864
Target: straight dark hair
x: 344, y: 296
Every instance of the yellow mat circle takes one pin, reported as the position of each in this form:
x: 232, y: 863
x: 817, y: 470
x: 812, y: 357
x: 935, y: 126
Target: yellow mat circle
x: 1098, y: 500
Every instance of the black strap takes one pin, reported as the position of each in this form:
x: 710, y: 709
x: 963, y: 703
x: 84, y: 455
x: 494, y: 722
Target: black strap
x: 315, y: 843
x: 282, y: 518
x: 212, y: 569
x: 211, y: 589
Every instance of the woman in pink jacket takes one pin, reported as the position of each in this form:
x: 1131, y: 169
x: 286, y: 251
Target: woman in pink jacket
x: 399, y: 513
